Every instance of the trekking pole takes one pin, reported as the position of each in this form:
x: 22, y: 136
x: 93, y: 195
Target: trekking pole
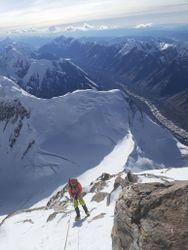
x: 65, y: 246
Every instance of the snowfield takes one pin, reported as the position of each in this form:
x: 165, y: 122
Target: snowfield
x: 82, y: 134
x: 31, y: 230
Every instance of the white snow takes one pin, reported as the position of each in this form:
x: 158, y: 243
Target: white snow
x: 112, y: 163
x: 164, y: 46
x: 180, y: 174
x: 13, y: 61
x: 32, y: 231
x: 37, y: 69
x: 128, y: 46
x: 81, y: 134
x: 82, y: 131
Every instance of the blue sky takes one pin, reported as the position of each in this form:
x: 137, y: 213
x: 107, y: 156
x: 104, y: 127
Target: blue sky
x: 59, y: 15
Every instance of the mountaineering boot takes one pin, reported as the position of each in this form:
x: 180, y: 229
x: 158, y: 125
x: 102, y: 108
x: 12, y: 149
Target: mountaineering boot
x: 86, y: 210
x: 77, y: 218
x: 77, y: 214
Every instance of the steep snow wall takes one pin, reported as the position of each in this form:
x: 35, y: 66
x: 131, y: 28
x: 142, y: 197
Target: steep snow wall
x: 43, y: 142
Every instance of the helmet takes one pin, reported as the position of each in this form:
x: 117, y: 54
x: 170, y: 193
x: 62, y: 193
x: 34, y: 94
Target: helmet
x: 73, y: 182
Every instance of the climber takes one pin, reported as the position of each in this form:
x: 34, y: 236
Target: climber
x: 75, y: 192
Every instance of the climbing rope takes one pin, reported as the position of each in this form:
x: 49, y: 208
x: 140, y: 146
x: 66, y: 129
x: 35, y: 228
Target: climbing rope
x: 65, y: 246
x: 78, y: 239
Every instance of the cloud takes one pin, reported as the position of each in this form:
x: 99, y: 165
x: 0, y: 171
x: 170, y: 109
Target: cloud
x: 42, y: 14
x: 22, y: 31
x: 84, y: 27
x: 144, y: 25
x: 58, y: 29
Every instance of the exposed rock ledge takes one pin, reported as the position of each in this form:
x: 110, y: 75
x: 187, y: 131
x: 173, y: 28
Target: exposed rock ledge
x: 152, y: 216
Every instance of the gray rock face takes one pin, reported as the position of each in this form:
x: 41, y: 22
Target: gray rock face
x: 152, y: 216
x: 123, y: 182
x: 100, y: 196
x: 131, y: 177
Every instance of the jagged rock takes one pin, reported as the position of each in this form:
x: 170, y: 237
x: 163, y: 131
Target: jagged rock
x: 98, y: 186
x: 152, y: 216
x: 29, y: 221
x: 55, y: 200
x: 97, y: 217
x: 98, y: 197
x: 119, y: 181
x: 52, y: 216
x: 104, y: 177
x: 131, y: 177
x: 122, y: 182
x: 12, y: 111
x: 100, y: 182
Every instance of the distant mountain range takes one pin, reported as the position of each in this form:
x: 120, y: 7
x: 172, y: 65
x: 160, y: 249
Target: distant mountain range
x: 41, y: 77
x: 156, y: 68
x: 96, y: 136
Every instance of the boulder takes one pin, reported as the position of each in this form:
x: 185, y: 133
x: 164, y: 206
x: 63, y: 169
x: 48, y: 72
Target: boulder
x: 97, y: 217
x: 97, y: 187
x: 119, y: 181
x: 100, y: 196
x: 152, y: 216
x: 100, y: 182
x: 131, y: 177
x: 104, y: 177
x: 123, y: 182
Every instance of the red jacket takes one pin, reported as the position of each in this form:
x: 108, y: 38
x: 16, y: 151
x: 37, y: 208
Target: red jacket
x: 74, y: 188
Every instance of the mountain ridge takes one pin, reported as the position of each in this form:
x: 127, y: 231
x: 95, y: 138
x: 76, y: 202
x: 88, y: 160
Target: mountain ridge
x: 151, y: 67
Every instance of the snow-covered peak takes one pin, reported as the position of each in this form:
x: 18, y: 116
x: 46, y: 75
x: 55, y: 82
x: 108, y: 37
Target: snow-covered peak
x: 63, y: 41
x: 149, y: 46
x: 182, y: 49
x: 50, y: 140
x: 82, y: 134
x: 129, y: 45
x: 13, y: 62
x: 42, y: 77
x: 10, y: 90
x: 164, y: 46
x: 37, y: 69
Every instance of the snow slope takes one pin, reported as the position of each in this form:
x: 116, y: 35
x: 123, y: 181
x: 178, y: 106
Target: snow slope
x: 43, y: 142
x: 33, y: 230
x: 83, y: 134
x: 42, y: 77
x: 13, y: 62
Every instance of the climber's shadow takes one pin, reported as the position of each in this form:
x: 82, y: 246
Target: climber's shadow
x: 79, y: 222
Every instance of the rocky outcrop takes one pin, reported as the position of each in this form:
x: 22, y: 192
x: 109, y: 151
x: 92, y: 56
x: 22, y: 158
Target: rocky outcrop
x: 13, y: 112
x: 123, y: 182
x: 56, y: 201
x: 100, y: 182
x: 131, y: 177
x: 100, y: 196
x: 152, y: 216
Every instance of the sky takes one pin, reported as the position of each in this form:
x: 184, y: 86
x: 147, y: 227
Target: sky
x: 64, y: 15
